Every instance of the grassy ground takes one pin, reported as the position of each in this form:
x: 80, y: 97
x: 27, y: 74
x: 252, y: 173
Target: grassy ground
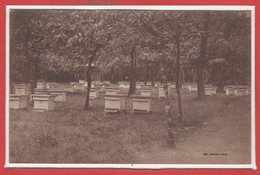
x: 69, y: 134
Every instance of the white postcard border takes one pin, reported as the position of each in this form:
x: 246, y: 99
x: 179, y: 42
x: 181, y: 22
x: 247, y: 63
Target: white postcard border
x: 134, y: 7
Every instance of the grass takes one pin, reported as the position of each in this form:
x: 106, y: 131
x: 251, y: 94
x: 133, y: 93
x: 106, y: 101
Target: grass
x: 70, y: 134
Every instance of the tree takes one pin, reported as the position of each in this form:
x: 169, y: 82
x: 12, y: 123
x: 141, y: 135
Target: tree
x: 129, y: 42
x: 27, y: 44
x: 167, y: 30
x: 176, y: 25
x: 227, y: 38
x: 202, y: 57
x: 80, y: 35
x: 230, y: 38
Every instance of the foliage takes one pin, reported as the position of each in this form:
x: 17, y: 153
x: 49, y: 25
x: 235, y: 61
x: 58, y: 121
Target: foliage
x: 44, y: 41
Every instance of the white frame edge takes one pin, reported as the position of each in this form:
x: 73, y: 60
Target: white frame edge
x: 134, y: 166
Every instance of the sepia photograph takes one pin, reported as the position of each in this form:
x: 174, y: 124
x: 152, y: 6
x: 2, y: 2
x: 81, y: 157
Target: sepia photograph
x: 130, y: 86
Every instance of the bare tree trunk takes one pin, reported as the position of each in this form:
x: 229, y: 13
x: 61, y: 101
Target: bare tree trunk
x: 34, y: 60
x: 102, y: 76
x: 132, y: 72
x: 173, y: 73
x: 171, y: 126
x: 75, y: 76
x: 85, y: 76
x: 182, y: 76
x: 167, y: 110
x: 88, y: 76
x: 200, y: 84
x: 35, y: 74
x: 232, y: 74
x: 202, y: 58
x: 178, y: 81
x: 152, y: 74
x: 112, y: 74
x: 147, y: 72
x: 164, y: 82
x: 88, y: 88
x: 170, y: 73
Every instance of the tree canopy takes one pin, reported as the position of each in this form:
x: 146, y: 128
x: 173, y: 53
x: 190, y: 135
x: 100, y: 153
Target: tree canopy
x: 45, y: 42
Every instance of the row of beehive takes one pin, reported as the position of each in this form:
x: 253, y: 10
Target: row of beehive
x: 116, y: 102
x: 44, y: 99
x: 237, y: 90
x: 209, y: 89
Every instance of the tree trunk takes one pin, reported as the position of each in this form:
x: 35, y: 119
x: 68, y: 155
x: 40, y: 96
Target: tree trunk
x: 202, y: 58
x: 171, y: 126
x: 132, y: 72
x: 102, y: 76
x: 147, y: 72
x: 85, y: 76
x: 152, y: 74
x: 232, y: 74
x: 75, y: 76
x: 164, y: 82
x: 32, y: 60
x: 221, y: 80
x: 200, y: 84
x: 36, y: 72
x: 112, y: 74
x: 88, y: 77
x: 178, y: 81
x: 182, y: 77
x: 173, y: 73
